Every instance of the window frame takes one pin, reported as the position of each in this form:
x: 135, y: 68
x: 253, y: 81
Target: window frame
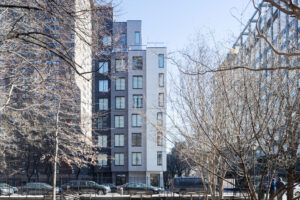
x: 160, y: 122
x: 161, y: 60
x: 120, y: 79
x: 159, y: 139
x: 134, y: 139
x: 119, y: 159
x: 106, y: 160
x: 161, y: 99
x: 118, y: 135
x: 123, y: 64
x: 136, y: 120
x: 137, y: 37
x: 121, y: 105
x: 119, y: 116
x: 139, y: 79
x: 105, y: 104
x: 103, y: 69
x: 132, y: 158
x: 138, y: 101
x: 101, y: 120
x: 103, y: 141
x: 159, y: 157
x: 105, y: 85
x: 161, y: 80
x: 106, y: 40
x: 137, y: 62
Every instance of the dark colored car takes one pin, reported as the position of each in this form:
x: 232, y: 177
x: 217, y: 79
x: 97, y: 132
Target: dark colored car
x: 36, y: 189
x: 189, y: 184
x: 135, y: 188
x: 84, y: 187
x: 112, y: 187
x: 6, y: 189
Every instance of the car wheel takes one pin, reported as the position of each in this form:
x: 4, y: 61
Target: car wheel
x: 297, y: 194
x: 100, y: 192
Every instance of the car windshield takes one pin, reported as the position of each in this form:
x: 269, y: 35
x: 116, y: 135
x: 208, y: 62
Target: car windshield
x: 141, y: 185
x: 4, y: 185
x: 39, y: 185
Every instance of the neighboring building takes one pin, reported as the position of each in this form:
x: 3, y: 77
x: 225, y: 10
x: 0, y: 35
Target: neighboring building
x: 42, y: 76
x: 281, y: 30
x: 129, y: 104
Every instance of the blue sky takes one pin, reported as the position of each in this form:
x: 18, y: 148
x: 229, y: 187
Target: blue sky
x: 174, y: 22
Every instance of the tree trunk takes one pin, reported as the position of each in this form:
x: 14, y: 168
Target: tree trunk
x: 290, y: 183
x: 54, y: 167
x: 55, y: 155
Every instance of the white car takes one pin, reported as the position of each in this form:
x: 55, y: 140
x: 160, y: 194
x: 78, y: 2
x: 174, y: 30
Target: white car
x: 6, y: 189
x: 297, y: 190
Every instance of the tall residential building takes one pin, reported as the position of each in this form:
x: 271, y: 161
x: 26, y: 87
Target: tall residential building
x: 45, y: 75
x: 280, y: 29
x: 129, y: 104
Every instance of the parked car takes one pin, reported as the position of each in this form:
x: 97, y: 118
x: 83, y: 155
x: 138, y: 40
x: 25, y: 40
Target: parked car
x: 134, y: 188
x: 189, y: 184
x: 112, y: 187
x: 80, y: 186
x: 6, y: 189
x: 297, y: 191
x: 36, y: 188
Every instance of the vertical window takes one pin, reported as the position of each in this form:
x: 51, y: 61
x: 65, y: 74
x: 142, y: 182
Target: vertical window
x: 119, y: 121
x: 119, y: 140
x: 120, y: 102
x: 138, y: 101
x: 161, y: 99
x: 120, y: 65
x: 137, y: 82
x: 137, y: 37
x: 106, y: 41
x: 161, y: 81
x: 119, y: 159
x: 161, y: 61
x: 123, y: 39
x: 102, y: 122
x: 159, y: 139
x: 103, y: 67
x: 102, y: 159
x: 103, y: 104
x: 120, y: 84
x: 103, y: 85
x: 136, y: 158
x: 159, y: 158
x: 136, y: 120
x: 137, y: 62
x: 136, y: 139
x: 102, y: 141
x: 160, y: 119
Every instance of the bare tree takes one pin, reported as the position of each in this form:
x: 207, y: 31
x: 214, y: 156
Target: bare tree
x: 233, y: 118
x: 45, y: 81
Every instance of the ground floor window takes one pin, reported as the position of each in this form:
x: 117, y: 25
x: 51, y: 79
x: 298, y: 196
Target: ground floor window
x: 154, y: 179
x: 120, y: 179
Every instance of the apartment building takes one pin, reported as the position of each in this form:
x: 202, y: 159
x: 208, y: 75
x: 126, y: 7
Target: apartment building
x: 280, y: 29
x: 129, y: 104
x: 43, y: 76
x: 276, y: 49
